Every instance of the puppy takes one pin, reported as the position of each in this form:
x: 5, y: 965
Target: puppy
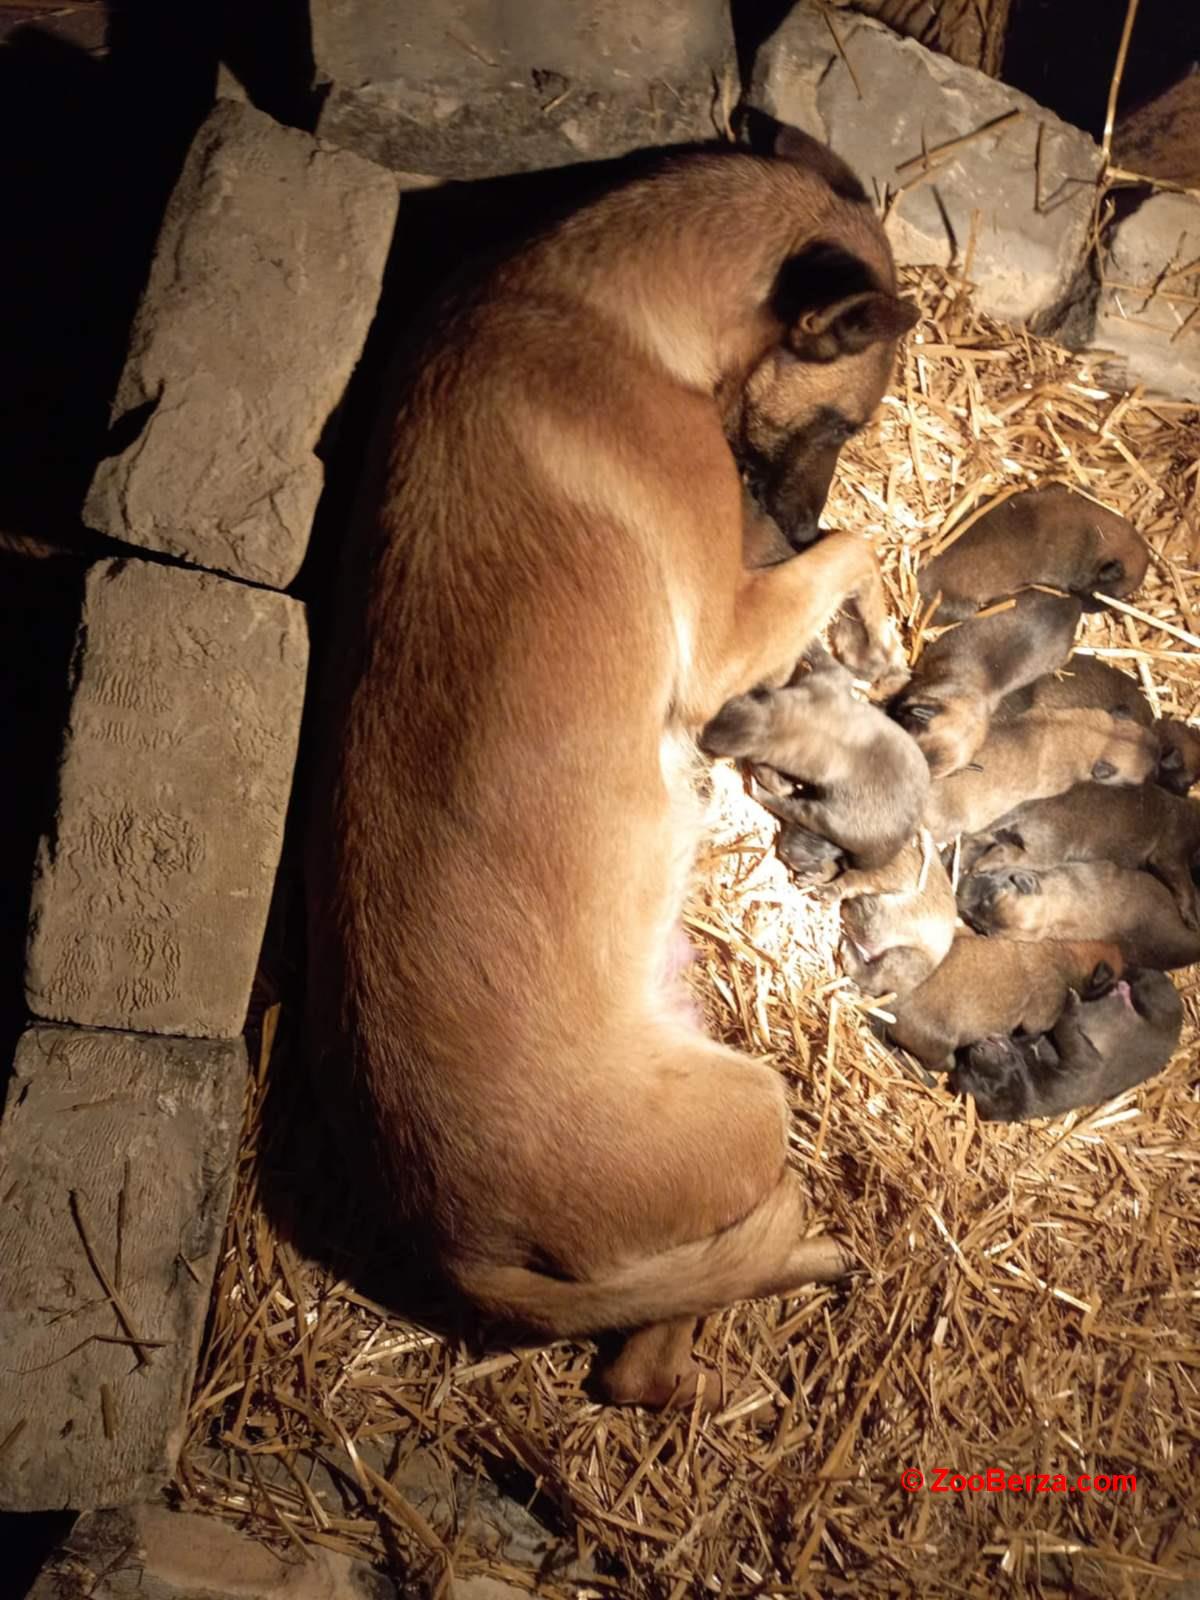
x: 1179, y: 758
x: 898, y: 921
x: 1097, y: 1049
x: 988, y: 987
x: 1085, y: 900
x: 1036, y: 756
x: 1085, y: 683
x: 543, y: 603
x: 1052, y: 536
x: 965, y: 673
x: 1135, y: 827
x: 828, y: 763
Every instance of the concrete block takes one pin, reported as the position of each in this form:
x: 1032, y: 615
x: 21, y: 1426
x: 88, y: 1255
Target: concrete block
x: 1024, y: 190
x: 264, y: 283
x: 149, y: 1553
x: 1145, y: 314
x: 477, y: 88
x: 152, y: 887
x: 118, y: 1155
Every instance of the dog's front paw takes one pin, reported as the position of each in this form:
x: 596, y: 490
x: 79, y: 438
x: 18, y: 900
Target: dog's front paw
x: 879, y: 659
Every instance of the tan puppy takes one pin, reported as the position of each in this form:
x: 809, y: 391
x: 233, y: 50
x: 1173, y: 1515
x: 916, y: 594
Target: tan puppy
x: 898, y: 921
x: 1085, y: 683
x: 1141, y: 826
x: 546, y: 603
x: 1097, y: 1049
x: 966, y: 672
x: 827, y: 762
x: 989, y: 987
x: 1052, y: 536
x: 1085, y: 900
x: 1039, y: 755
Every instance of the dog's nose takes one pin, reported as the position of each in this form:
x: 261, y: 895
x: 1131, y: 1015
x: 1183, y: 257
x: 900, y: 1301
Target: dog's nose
x: 803, y: 533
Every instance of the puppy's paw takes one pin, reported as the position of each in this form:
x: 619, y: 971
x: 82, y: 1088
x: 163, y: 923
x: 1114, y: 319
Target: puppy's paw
x: 879, y: 659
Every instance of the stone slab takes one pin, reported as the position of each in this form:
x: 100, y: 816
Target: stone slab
x: 152, y: 887
x: 264, y: 283
x: 145, y: 1552
x: 479, y: 88
x: 1145, y: 317
x: 886, y: 104
x: 131, y: 1142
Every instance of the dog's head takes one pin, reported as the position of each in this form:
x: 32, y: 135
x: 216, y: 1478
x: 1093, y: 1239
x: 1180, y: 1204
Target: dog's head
x: 1010, y: 899
x: 997, y: 1073
x: 1137, y: 1016
x: 1179, y: 755
x: 840, y: 320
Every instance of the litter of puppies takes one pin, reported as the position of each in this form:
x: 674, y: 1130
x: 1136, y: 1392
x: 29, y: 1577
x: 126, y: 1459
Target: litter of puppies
x: 1079, y: 866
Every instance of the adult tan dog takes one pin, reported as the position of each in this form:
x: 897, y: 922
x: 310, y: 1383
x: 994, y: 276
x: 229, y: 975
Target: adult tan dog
x: 547, y: 602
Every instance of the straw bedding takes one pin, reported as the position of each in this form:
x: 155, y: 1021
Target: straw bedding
x: 1028, y: 1295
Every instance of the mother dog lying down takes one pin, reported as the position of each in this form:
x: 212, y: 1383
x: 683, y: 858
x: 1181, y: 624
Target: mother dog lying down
x: 547, y: 603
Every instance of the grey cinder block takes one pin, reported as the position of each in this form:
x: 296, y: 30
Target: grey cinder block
x: 152, y: 886
x: 118, y: 1155
x: 264, y: 283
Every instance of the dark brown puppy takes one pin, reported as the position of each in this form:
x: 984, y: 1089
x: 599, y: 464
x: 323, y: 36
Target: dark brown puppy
x: 1179, y: 762
x: 1140, y: 826
x: 989, y: 987
x: 1085, y: 900
x: 965, y: 673
x: 1052, y: 536
x: 1097, y: 1049
x: 898, y: 921
x: 1036, y: 756
x: 1085, y: 683
x: 828, y: 762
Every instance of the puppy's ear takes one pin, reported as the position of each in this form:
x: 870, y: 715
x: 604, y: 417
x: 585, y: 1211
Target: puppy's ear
x: 792, y: 144
x: 738, y: 728
x: 1110, y: 572
x: 1099, y: 982
x: 831, y: 306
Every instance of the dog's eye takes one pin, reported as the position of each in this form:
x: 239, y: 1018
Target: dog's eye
x: 1110, y: 572
x: 1172, y: 761
x: 918, y: 714
x: 1102, y: 770
x: 1024, y: 883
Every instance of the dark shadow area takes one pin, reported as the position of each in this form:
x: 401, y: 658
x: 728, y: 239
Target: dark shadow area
x: 1062, y: 52
x: 754, y: 21
x: 28, y: 1539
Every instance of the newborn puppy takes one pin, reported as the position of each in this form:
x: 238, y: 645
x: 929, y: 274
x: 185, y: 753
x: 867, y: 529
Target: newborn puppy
x: 1085, y: 683
x: 827, y: 761
x: 1052, y: 536
x: 1098, y: 1049
x: 1141, y: 826
x: 1179, y: 758
x: 965, y: 673
x: 898, y: 921
x: 1085, y: 900
x: 988, y: 987
x: 1038, y: 755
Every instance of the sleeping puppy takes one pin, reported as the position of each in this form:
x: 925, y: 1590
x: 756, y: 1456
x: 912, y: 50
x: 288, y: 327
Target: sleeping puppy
x: 1085, y: 900
x: 965, y: 673
x: 898, y: 921
x: 1097, y: 1049
x: 828, y: 762
x: 1179, y: 759
x: 1038, y: 755
x: 1141, y: 826
x: 1052, y: 536
x: 1085, y: 683
x: 989, y: 987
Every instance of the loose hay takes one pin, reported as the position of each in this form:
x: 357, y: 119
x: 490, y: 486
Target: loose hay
x: 1028, y: 1295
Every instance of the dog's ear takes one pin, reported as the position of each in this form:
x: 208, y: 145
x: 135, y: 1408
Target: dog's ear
x: 793, y: 144
x: 831, y: 306
x: 738, y: 728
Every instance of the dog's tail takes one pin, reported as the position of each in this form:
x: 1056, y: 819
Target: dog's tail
x: 763, y: 1254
